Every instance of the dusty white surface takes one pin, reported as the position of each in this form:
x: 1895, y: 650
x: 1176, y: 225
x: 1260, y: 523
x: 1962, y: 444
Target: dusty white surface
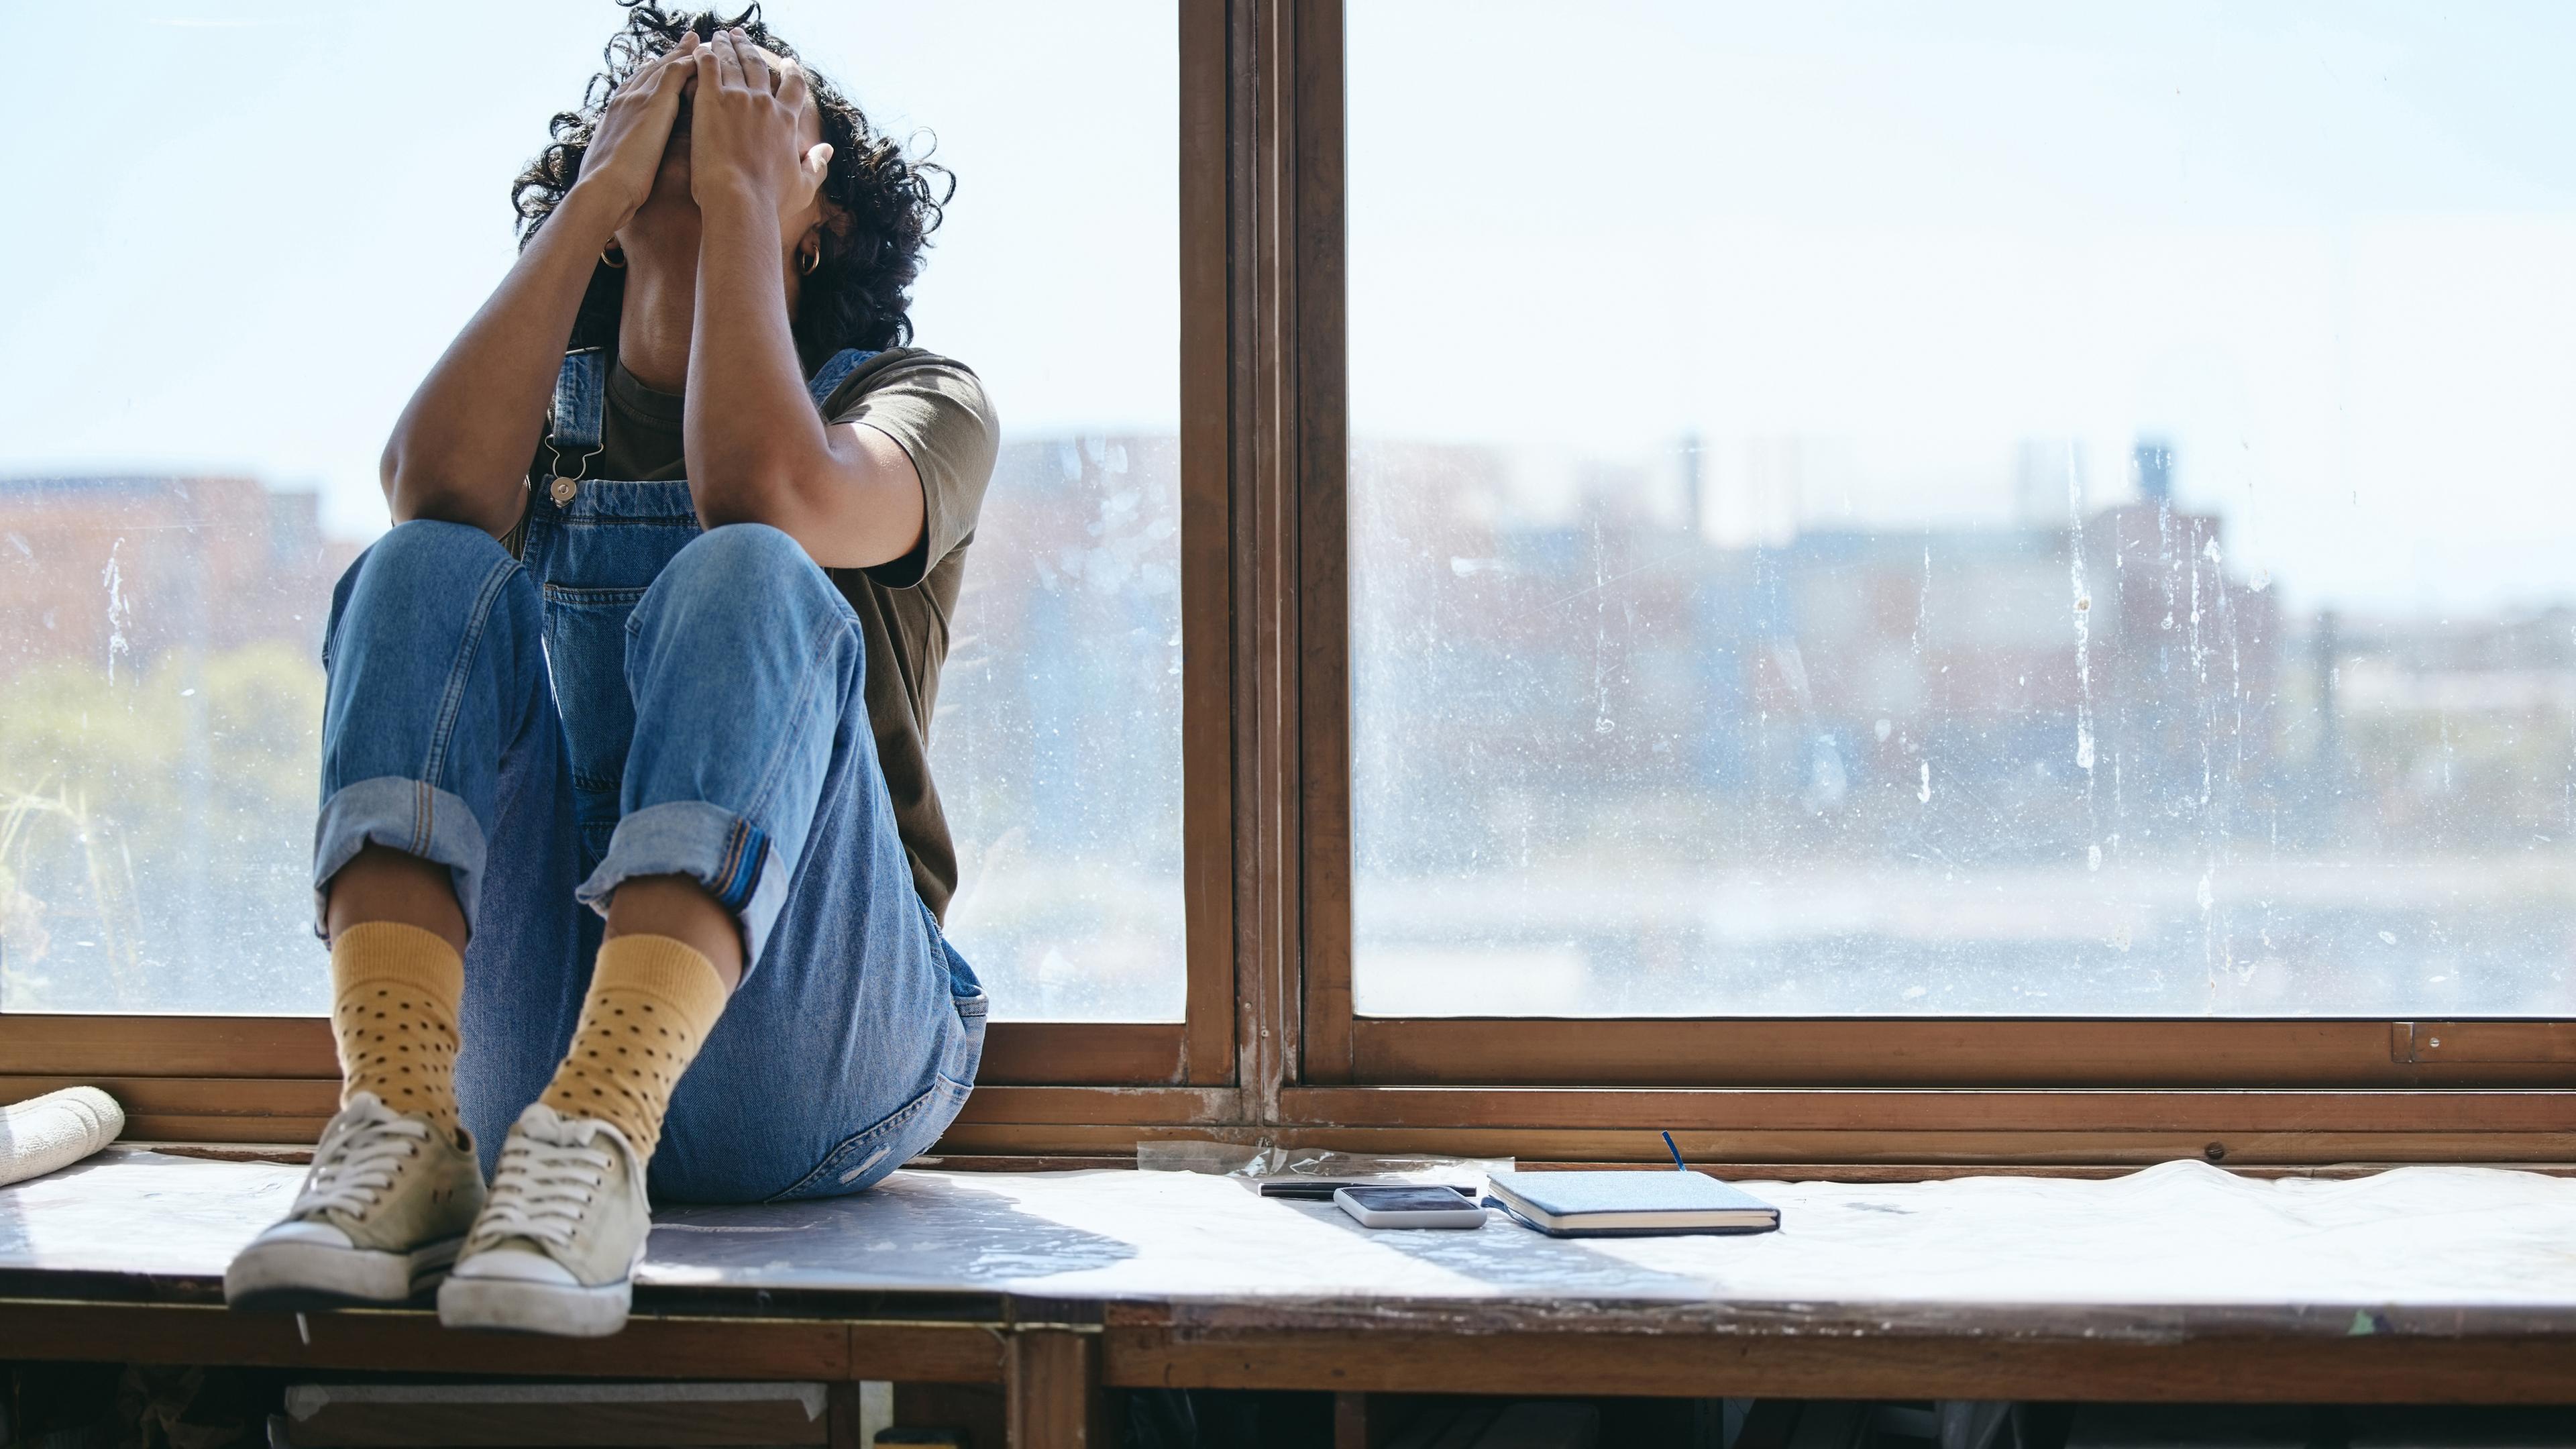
x: 2416, y: 1249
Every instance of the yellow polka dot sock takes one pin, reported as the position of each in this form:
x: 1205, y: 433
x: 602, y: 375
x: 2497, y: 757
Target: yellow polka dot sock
x: 394, y: 990
x: 652, y: 1002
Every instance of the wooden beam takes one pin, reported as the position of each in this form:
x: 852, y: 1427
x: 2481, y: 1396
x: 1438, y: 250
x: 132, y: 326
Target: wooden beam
x: 205, y: 1109
x: 476, y: 1416
x: 284, y: 1048
x: 1207, y: 542
x: 1783, y: 1128
x: 48, y: 1044
x: 2317, y: 1369
x: 1931, y: 1052
x: 1083, y: 1053
x: 651, y: 1345
x: 1263, y: 404
x: 1941, y: 1110
x: 1054, y: 1374
x: 1795, y: 1155
x: 2522, y: 1043
x: 1371, y: 1421
x: 1319, y: 346
x: 1132, y: 1106
x: 1051, y: 1377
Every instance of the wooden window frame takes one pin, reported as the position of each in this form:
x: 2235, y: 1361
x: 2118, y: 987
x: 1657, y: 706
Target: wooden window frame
x: 1271, y: 1048
x: 273, y: 1079
x: 2275, y: 1093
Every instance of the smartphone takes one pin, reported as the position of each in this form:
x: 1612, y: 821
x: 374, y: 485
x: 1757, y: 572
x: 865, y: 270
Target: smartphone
x: 1410, y: 1207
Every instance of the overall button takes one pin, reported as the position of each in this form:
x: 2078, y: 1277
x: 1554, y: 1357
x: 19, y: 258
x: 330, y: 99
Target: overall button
x: 562, y: 490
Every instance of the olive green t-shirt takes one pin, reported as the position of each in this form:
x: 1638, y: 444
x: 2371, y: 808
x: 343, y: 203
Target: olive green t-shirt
x: 937, y: 411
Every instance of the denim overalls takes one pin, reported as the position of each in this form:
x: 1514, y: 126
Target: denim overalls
x: 633, y: 696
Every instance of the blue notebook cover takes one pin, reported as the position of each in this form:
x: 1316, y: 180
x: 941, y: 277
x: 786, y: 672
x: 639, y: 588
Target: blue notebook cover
x: 1582, y: 1204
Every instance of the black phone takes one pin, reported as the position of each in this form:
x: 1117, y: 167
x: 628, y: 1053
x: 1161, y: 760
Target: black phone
x: 1408, y: 1206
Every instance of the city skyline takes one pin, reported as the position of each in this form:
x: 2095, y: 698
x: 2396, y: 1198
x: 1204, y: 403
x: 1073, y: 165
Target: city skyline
x: 1863, y: 721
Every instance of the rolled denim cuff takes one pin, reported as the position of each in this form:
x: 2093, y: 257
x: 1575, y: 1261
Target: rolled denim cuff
x: 412, y: 816
x: 711, y: 845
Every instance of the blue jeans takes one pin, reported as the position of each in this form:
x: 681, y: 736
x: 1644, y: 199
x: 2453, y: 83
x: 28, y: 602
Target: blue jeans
x: 642, y: 698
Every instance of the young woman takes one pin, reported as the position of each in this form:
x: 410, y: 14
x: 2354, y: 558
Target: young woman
x: 628, y: 844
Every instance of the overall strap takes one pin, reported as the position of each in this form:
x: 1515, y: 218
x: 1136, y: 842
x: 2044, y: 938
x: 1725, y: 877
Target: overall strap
x: 581, y: 401
x: 835, y: 372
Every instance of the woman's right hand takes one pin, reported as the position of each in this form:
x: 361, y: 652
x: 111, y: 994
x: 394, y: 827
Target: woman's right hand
x: 626, y: 151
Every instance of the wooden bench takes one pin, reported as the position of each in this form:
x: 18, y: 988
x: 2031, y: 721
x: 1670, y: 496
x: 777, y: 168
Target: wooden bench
x: 2182, y: 1282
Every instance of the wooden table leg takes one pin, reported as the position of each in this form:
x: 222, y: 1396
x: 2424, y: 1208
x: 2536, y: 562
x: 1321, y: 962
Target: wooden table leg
x: 1351, y: 1421
x: 1372, y: 1420
x: 1051, y: 1377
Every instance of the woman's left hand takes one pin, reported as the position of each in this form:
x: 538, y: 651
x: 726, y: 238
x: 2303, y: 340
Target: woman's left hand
x: 747, y: 147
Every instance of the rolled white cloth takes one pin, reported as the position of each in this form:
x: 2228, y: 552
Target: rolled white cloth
x: 55, y: 1130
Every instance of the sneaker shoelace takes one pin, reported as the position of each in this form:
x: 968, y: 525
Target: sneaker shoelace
x: 541, y: 1191
x: 357, y: 1159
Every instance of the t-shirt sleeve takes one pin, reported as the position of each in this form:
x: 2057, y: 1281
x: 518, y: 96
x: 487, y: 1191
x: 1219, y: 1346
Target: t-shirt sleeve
x: 937, y: 411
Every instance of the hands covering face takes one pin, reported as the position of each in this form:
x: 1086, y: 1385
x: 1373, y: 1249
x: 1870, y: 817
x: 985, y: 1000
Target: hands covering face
x: 747, y: 135
x: 627, y: 149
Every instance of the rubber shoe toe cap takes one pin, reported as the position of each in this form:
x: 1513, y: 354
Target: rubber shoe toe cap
x: 304, y: 1232
x: 519, y: 1265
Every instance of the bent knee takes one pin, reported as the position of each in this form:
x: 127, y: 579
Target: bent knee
x: 431, y: 549
x: 745, y: 562
x: 423, y: 577
x: 421, y: 560
x: 743, y: 551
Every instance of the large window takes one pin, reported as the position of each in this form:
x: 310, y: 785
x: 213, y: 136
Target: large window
x: 1875, y: 585
x: 1978, y: 509
x: 210, y: 337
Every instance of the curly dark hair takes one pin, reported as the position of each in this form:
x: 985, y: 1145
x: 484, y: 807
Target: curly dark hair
x: 881, y: 204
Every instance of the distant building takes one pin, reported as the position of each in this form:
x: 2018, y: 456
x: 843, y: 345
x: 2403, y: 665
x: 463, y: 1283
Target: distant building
x: 2193, y: 656
x: 1612, y: 656
x: 2453, y: 729
x: 117, y: 571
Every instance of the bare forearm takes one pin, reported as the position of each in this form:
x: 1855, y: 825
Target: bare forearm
x: 750, y: 433
x: 460, y: 450
x: 757, y: 450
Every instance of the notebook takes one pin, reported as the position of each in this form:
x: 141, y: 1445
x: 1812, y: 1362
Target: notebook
x: 1629, y: 1204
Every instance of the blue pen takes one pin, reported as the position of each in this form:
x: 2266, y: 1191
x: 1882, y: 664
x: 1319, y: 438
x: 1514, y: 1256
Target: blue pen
x: 1678, y: 1164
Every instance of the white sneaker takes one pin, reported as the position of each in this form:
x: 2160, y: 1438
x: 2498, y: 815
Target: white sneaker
x: 556, y: 1247
x: 380, y: 1216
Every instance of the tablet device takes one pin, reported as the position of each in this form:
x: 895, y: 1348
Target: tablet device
x: 1410, y: 1207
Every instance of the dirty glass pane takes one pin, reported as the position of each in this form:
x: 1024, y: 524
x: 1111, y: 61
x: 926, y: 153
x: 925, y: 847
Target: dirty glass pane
x: 1058, y: 740
x: 1983, y: 508
x: 159, y: 717
x: 202, y: 354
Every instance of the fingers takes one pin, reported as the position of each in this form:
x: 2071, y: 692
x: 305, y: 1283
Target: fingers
x: 729, y: 70
x: 672, y: 71
x: 684, y: 64
x: 793, y: 89
x: 761, y: 69
x: 662, y: 70
x: 708, y: 62
x: 755, y: 64
x: 816, y: 163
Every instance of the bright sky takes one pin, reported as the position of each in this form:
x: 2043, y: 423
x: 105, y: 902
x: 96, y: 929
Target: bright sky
x: 259, y: 221
x: 2327, y: 249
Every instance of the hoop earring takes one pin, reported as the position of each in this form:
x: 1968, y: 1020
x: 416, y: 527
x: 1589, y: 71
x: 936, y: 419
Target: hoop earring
x: 613, y: 257
x: 807, y: 261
